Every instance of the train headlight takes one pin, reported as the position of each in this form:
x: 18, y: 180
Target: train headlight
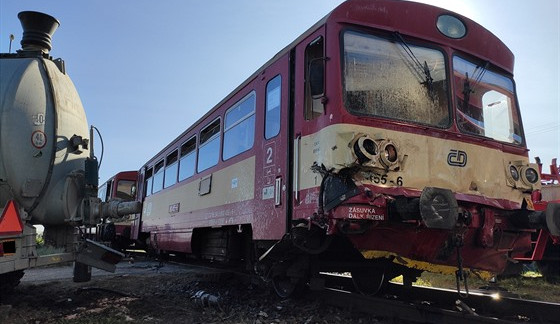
x: 531, y: 175
x: 365, y: 149
x: 389, y: 155
x: 522, y: 175
x: 514, y: 172
x: 451, y: 26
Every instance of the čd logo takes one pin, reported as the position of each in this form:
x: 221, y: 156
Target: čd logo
x: 457, y: 158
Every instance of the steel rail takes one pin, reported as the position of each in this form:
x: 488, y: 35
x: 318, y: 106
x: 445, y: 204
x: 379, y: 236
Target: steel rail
x: 434, y: 305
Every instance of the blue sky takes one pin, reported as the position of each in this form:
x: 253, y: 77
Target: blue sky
x: 146, y: 70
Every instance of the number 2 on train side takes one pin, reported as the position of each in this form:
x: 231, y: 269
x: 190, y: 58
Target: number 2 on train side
x: 269, y: 154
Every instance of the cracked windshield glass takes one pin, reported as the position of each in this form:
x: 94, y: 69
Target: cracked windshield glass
x: 393, y: 79
x: 485, y: 102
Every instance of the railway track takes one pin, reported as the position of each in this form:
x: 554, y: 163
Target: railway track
x: 434, y: 305
x: 418, y: 304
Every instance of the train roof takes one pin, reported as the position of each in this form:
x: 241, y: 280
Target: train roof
x: 420, y: 20
x: 415, y: 19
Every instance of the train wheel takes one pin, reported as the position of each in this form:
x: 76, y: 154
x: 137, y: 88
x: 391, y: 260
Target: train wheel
x: 370, y: 280
x: 289, y: 277
x: 286, y: 287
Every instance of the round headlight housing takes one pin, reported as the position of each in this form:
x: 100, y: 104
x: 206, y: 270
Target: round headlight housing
x: 365, y: 149
x: 389, y: 154
x: 514, y: 172
x: 451, y: 26
x: 531, y: 175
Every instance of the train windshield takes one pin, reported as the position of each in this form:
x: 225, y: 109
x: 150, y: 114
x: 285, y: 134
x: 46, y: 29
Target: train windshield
x: 485, y: 102
x: 392, y: 79
x: 126, y: 189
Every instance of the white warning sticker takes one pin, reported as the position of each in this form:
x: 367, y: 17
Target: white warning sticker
x: 268, y: 193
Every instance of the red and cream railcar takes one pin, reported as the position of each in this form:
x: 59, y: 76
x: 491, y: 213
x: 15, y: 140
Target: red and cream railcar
x: 120, y: 187
x: 386, y: 139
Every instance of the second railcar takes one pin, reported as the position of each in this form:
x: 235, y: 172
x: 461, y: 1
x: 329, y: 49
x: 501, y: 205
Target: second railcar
x: 385, y: 140
x: 120, y: 187
x: 546, y: 251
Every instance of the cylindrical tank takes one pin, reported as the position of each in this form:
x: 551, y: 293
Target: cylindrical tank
x: 44, y: 133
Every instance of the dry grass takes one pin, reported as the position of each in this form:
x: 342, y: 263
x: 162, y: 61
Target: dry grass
x: 531, y: 285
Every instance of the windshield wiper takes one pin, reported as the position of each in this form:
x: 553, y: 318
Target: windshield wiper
x: 422, y: 70
x: 478, y: 73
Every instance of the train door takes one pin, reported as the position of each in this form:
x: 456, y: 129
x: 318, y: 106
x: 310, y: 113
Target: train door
x: 308, y: 119
x: 272, y: 171
x: 141, y: 191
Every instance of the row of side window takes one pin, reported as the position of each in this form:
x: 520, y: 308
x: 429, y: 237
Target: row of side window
x: 238, y: 134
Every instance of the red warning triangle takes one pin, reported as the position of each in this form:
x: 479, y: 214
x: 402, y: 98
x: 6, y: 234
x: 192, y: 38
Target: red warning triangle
x: 10, y: 223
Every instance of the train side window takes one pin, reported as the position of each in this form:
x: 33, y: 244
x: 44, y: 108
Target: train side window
x: 157, y: 185
x: 148, y: 182
x: 239, y: 127
x: 272, y: 109
x: 209, y: 147
x: 102, y: 192
x: 109, y: 193
x: 187, y: 161
x: 314, y: 79
x: 171, y: 168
